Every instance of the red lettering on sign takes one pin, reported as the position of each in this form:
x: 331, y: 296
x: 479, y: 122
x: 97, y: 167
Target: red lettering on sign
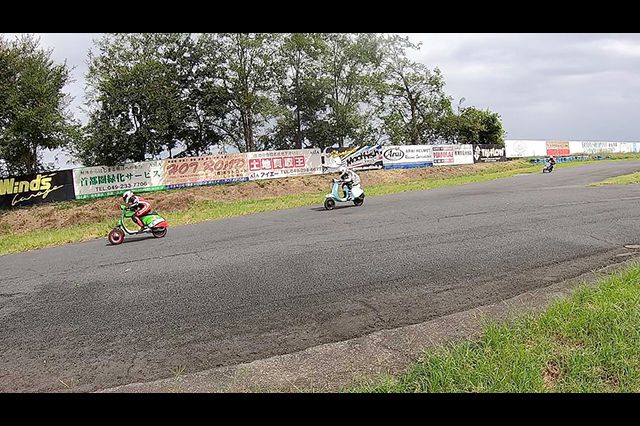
x: 254, y: 164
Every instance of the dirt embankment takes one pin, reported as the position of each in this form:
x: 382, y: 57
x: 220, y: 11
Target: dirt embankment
x: 61, y: 215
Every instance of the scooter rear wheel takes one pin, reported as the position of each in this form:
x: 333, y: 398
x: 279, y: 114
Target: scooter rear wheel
x: 329, y: 203
x: 116, y: 236
x: 159, y: 232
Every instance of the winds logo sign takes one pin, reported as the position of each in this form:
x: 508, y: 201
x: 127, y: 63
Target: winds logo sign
x: 26, y: 190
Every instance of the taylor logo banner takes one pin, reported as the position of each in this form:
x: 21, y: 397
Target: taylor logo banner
x: 486, y: 153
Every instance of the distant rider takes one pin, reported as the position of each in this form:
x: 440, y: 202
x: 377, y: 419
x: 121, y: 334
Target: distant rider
x: 552, y: 162
x: 348, y: 178
x: 139, y: 205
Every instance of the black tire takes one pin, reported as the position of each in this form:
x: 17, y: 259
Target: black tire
x: 358, y: 201
x: 116, y: 236
x: 329, y: 203
x: 159, y: 232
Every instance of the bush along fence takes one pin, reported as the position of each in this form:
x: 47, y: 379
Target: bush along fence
x: 103, y: 181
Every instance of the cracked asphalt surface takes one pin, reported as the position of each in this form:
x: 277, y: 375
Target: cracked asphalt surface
x: 90, y: 316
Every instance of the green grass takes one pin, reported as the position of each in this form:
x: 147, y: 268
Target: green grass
x: 633, y: 178
x: 588, y: 342
x: 211, y: 210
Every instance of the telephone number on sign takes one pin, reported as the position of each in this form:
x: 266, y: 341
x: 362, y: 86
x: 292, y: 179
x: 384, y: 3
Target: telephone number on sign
x: 121, y: 186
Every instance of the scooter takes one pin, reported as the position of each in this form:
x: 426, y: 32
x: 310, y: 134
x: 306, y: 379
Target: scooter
x: 356, y: 194
x: 153, y: 222
x: 548, y: 168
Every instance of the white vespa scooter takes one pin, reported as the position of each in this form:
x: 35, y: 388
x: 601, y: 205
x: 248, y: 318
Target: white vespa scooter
x: 356, y: 194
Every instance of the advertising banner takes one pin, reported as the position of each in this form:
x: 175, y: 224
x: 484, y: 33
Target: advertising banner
x: 36, y: 189
x: 463, y: 154
x: 488, y: 153
x: 279, y: 164
x: 525, y: 148
x: 558, y: 148
x: 205, y: 170
x: 104, y: 181
x: 357, y: 158
x: 600, y: 147
x: 443, y: 155
x: 407, y: 156
x: 575, y: 147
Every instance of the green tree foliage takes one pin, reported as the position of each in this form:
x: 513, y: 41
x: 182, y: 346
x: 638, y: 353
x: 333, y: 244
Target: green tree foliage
x: 33, y: 107
x: 351, y: 70
x: 153, y: 94
x: 247, y: 65
x: 479, y: 126
x: 301, y: 92
x: 137, y: 99
x: 412, y: 103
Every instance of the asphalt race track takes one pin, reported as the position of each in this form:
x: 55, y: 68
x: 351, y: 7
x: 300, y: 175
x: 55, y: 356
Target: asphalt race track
x: 94, y: 316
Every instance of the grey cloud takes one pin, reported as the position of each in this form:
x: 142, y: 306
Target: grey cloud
x: 560, y: 86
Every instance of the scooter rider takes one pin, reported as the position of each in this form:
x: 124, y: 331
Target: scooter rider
x: 348, y: 178
x: 139, y: 204
x: 552, y: 162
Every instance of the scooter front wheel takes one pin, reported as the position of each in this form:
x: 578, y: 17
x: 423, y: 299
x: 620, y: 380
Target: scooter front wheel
x: 116, y: 236
x: 358, y: 201
x: 329, y: 203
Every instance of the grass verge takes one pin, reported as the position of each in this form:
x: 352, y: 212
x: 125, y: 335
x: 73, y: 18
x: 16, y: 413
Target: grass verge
x: 633, y: 178
x: 210, y: 210
x: 588, y: 342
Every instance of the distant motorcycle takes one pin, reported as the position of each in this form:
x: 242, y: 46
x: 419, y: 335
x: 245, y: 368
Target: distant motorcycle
x: 548, y: 168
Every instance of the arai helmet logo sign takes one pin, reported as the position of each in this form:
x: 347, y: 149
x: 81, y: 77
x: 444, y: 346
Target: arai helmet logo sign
x: 394, y: 154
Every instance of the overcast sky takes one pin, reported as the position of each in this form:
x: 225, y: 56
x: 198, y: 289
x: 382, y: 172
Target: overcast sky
x: 545, y: 86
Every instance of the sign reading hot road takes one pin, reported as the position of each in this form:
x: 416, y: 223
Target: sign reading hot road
x: 278, y: 164
x: 206, y: 170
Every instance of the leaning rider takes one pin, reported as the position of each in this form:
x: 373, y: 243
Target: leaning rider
x: 348, y: 178
x: 139, y: 205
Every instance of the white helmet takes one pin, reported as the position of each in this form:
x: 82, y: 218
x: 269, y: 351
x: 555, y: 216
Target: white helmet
x: 127, y: 196
x: 342, y: 169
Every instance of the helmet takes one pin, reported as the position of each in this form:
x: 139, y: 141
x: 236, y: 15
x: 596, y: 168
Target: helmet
x: 342, y: 169
x: 127, y: 197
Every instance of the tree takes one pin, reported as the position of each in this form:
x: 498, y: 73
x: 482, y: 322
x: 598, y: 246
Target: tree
x: 246, y: 68
x: 412, y: 103
x: 350, y: 72
x: 301, y: 94
x: 139, y: 98
x: 33, y: 107
x: 480, y: 126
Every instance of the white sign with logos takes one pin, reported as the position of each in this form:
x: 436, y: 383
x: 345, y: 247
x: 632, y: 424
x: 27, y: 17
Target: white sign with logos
x: 407, y: 156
